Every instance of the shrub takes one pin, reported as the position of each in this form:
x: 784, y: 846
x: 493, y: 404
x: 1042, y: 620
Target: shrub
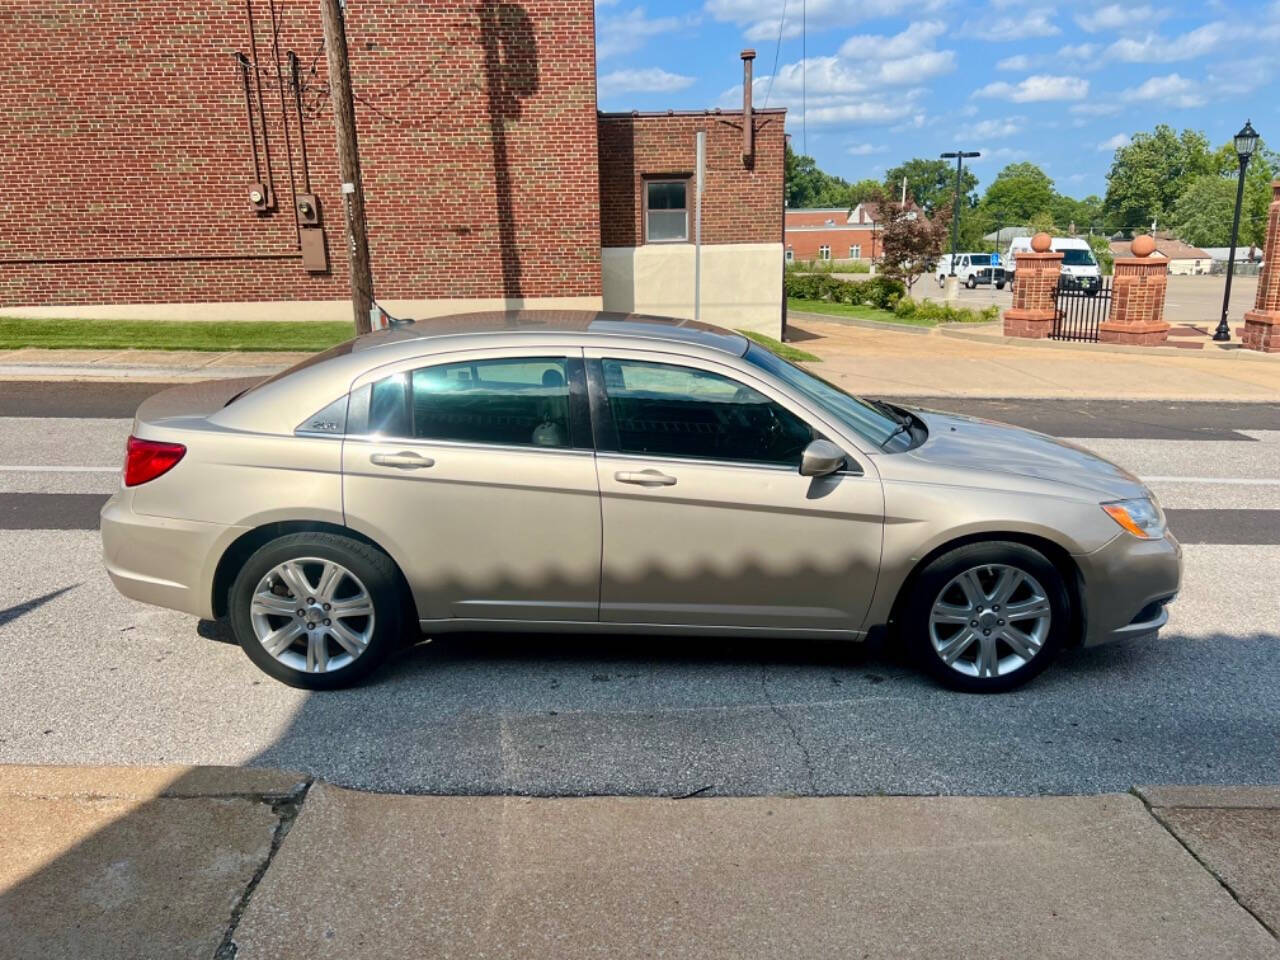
x: 934, y: 312
x: 878, y: 291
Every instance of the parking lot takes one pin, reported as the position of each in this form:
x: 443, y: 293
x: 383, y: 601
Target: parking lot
x: 1195, y: 300
x: 90, y: 677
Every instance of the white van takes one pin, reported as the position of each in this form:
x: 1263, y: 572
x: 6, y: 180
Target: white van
x: 1079, y: 265
x: 972, y: 269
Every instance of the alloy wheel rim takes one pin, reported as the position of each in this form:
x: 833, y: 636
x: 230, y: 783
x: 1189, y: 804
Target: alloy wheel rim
x: 990, y: 620
x: 312, y: 615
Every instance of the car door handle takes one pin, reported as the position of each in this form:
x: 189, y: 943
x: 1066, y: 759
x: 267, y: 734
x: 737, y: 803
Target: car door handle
x: 645, y: 478
x: 405, y: 460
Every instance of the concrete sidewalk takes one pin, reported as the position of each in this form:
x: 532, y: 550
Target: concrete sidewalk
x: 982, y: 363
x: 219, y: 863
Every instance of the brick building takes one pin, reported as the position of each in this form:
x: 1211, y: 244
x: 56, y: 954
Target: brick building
x: 833, y: 233
x: 135, y: 135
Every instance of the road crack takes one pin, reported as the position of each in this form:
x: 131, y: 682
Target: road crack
x: 286, y: 810
x: 791, y: 728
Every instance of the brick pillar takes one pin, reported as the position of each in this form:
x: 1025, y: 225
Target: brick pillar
x: 1031, y: 315
x: 1137, y: 298
x: 1262, y: 323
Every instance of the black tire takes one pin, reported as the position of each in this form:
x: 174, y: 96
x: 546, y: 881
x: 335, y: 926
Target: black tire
x: 942, y: 279
x: 970, y: 284
x: 934, y: 578
x: 999, y: 286
x: 375, y: 571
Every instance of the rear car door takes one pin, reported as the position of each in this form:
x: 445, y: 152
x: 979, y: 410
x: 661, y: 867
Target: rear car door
x: 707, y: 521
x: 476, y: 472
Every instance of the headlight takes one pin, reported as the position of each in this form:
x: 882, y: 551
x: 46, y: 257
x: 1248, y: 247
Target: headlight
x: 1142, y: 518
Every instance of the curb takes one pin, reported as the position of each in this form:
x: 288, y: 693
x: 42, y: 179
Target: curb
x: 148, y: 783
x: 1219, y: 354
x: 866, y: 324
x: 51, y: 371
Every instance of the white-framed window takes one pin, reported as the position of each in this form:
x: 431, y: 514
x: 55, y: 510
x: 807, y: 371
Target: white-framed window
x: 666, y: 211
x: 824, y: 252
x: 855, y: 251
x: 790, y: 255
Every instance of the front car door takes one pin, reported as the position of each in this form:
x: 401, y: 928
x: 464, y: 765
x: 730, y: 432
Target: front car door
x: 707, y: 521
x: 476, y: 472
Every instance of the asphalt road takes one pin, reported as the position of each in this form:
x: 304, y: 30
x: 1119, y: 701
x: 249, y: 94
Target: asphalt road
x: 89, y: 677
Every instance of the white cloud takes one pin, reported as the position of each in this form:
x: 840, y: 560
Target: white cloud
x: 1115, y: 17
x: 1095, y: 109
x: 1171, y: 90
x: 1007, y: 154
x: 630, y: 31
x: 1114, y: 143
x: 865, y: 149
x: 1019, y: 63
x: 759, y: 18
x: 1037, y: 88
x: 917, y: 37
x: 644, y: 80
x: 1078, y: 51
x: 1154, y: 48
x: 1027, y: 23
x: 994, y: 129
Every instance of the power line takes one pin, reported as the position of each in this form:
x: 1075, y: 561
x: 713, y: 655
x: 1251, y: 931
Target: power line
x: 776, y: 51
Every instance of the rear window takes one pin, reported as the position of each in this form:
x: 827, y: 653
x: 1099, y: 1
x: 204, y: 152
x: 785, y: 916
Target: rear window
x: 981, y: 260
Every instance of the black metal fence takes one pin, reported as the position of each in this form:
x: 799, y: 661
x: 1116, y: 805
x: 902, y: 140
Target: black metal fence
x: 1080, y: 305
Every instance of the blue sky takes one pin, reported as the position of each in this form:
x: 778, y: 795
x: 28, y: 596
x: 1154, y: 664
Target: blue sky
x: 1059, y: 84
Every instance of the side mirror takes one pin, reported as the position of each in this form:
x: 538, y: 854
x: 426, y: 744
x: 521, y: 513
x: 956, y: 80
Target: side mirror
x: 821, y: 458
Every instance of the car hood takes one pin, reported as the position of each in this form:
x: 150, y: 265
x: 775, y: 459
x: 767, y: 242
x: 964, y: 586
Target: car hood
x: 970, y: 443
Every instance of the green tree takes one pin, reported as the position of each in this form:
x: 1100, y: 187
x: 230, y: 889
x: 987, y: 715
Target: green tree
x: 807, y: 186
x: 910, y: 242
x: 1149, y: 175
x: 1264, y: 166
x: 1202, y: 215
x: 1019, y: 192
x: 932, y: 183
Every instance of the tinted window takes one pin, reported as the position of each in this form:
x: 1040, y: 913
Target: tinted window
x: 666, y: 213
x: 674, y: 411
x: 523, y: 401
x: 1078, y: 258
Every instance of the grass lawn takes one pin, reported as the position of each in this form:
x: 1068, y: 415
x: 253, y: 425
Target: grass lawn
x: 170, y: 335
x: 858, y: 311
x: 785, y: 351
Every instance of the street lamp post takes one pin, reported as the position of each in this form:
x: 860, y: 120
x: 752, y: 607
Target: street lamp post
x: 1246, y: 143
x: 960, y: 156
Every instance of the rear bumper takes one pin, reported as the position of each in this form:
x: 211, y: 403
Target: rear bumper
x: 1127, y: 586
x: 160, y: 560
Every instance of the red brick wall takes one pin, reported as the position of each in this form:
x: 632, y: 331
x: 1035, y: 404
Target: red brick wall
x: 742, y: 203
x: 123, y: 135
x: 804, y: 244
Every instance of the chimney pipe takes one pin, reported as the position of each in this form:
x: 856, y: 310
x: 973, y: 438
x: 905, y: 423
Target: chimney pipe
x: 748, y: 126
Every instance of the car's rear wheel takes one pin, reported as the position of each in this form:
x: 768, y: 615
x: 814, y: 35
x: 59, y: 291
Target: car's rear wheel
x: 970, y: 283
x: 987, y: 617
x: 316, y: 610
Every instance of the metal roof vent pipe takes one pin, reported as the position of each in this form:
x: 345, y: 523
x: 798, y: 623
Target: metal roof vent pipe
x: 748, y: 127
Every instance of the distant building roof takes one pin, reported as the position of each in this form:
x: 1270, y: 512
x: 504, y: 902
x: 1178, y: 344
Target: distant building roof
x: 1007, y: 234
x: 1169, y: 249
x: 1244, y: 254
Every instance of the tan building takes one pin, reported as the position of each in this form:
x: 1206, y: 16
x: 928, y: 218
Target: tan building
x: 1184, y: 259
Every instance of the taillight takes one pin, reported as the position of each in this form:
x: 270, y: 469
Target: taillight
x: 147, y: 459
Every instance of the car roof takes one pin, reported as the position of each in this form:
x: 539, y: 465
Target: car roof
x: 578, y: 322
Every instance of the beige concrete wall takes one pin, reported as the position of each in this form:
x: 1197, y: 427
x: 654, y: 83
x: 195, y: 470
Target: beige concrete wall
x: 741, y: 283
x: 339, y: 310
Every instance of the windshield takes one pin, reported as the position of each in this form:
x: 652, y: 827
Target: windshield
x: 1078, y: 258
x: 980, y: 260
x: 858, y: 415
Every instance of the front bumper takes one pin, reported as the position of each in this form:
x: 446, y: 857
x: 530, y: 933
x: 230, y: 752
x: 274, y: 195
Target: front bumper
x: 160, y: 560
x: 1072, y: 282
x: 1126, y: 587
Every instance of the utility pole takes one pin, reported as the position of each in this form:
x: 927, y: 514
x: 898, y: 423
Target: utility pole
x: 344, y: 125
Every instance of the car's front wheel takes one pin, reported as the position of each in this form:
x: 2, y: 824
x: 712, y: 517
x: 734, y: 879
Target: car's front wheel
x: 987, y: 617
x: 316, y: 610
